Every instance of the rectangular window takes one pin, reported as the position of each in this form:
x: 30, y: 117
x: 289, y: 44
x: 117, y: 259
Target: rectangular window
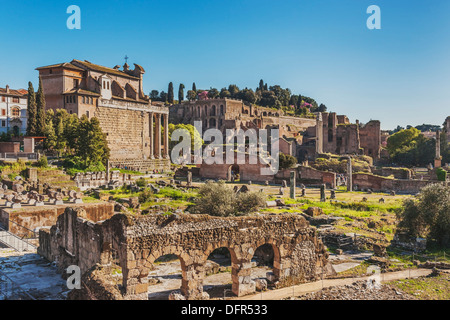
x: 75, y: 83
x: 3, y: 123
x: 3, y: 112
x: 87, y: 113
x: 15, y: 100
x: 3, y: 99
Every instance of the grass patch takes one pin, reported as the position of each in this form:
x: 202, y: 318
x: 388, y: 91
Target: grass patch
x: 426, y: 288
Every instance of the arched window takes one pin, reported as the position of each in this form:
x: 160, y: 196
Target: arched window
x: 15, y: 112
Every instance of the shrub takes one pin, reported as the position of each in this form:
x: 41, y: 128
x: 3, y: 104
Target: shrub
x: 429, y: 215
x: 441, y: 174
x: 141, y: 182
x: 42, y: 162
x: 217, y: 199
x: 287, y: 161
x: 145, y: 196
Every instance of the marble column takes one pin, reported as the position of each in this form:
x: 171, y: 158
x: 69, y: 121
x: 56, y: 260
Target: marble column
x: 166, y: 136
x: 158, y: 136
x: 150, y: 128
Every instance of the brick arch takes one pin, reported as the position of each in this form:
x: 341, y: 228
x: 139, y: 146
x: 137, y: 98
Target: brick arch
x: 235, y: 257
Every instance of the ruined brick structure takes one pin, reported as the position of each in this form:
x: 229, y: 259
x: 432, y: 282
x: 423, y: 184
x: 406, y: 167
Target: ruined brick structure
x: 342, y: 137
x: 131, y: 122
x: 138, y: 241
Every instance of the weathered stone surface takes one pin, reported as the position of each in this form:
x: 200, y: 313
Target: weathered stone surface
x: 314, y: 211
x: 139, y: 240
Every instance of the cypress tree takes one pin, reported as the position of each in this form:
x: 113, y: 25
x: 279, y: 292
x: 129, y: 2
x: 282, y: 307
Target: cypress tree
x: 299, y: 101
x: 40, y: 110
x: 261, y: 85
x: 31, y: 109
x: 180, y: 93
x: 170, y: 93
x: 194, y: 88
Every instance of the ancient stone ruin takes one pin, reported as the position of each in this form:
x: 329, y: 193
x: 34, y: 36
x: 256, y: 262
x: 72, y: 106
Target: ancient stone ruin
x: 137, y: 242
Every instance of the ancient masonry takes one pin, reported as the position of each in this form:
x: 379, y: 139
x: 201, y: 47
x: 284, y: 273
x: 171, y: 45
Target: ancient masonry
x: 136, y: 128
x: 299, y: 255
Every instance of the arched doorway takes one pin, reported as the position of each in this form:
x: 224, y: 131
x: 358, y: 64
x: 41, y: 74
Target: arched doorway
x: 234, y: 173
x: 16, y: 130
x: 218, y: 279
x: 263, y: 261
x: 165, y: 277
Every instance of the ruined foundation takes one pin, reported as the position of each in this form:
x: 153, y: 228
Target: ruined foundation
x: 136, y: 242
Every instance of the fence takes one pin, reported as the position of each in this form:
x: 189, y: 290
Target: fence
x: 20, y: 155
x: 23, y: 239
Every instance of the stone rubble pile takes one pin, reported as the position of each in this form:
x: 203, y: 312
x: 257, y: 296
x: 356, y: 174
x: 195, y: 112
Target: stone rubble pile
x: 359, y: 290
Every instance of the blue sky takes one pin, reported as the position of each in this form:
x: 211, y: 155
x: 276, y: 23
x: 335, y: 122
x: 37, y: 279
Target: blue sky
x: 318, y: 48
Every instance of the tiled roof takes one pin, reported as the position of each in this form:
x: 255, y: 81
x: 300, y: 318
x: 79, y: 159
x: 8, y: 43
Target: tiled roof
x: 12, y: 92
x: 59, y: 65
x: 96, y: 67
x: 83, y: 92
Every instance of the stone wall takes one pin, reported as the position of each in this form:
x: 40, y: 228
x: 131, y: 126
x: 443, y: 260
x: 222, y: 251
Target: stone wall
x: 309, y: 175
x: 46, y: 216
x: 124, y: 131
x: 382, y: 184
x: 139, y: 241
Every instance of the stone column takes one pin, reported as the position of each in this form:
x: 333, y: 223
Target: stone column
x: 292, y: 185
x: 437, y: 159
x: 323, y: 198
x: 192, y: 281
x: 349, y: 175
x: 158, y: 136
x: 107, y: 171
x: 319, y: 134
x: 166, y: 136
x: 241, y: 275
x: 152, y: 138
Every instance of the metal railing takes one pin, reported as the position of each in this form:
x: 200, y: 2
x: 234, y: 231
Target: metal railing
x: 21, y: 240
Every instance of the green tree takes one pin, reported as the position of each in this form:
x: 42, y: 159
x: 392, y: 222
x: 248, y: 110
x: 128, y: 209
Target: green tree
x: 429, y: 215
x: 180, y: 93
x: 224, y: 93
x: 213, y: 93
x: 163, y: 96
x: 195, y: 135
x: 261, y: 85
x: 49, y: 132
x: 286, y: 161
x: 194, y: 87
x: 154, y: 95
x: 191, y: 95
x: 402, y: 141
x: 322, y: 108
x: 32, y: 111
x: 40, y: 110
x: 92, y: 145
x: 170, y: 95
x: 233, y: 89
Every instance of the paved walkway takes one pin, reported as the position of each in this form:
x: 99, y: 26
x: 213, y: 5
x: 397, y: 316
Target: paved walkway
x: 302, y: 289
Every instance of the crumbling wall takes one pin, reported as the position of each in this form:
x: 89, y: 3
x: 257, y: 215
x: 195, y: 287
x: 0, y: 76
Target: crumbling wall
x: 309, y: 175
x: 376, y: 183
x: 139, y: 241
x: 36, y: 217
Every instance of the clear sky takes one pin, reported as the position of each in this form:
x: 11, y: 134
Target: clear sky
x: 399, y: 75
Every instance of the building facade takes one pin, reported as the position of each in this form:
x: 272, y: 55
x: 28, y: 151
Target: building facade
x: 13, y: 111
x: 136, y: 129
